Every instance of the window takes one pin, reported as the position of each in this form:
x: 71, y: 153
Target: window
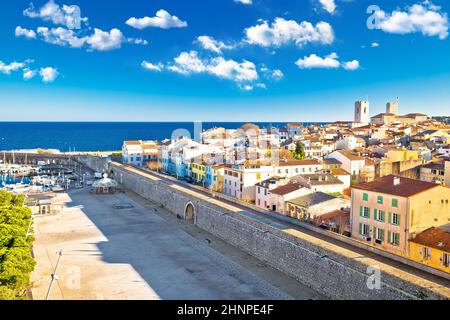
x: 365, y: 197
x: 364, y: 212
x: 394, y: 203
x: 445, y: 259
x: 426, y: 253
x: 380, y: 200
x: 394, y: 238
x: 378, y: 234
x: 395, y: 219
x: 364, y: 229
x: 379, y: 215
x: 259, y: 190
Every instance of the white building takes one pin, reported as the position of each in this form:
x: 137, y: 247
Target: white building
x: 290, y: 168
x: 138, y: 152
x: 240, y: 180
x: 280, y: 195
x: 350, y: 162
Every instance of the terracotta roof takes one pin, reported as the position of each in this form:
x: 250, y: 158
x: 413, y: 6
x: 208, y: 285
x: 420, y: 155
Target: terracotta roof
x: 407, y: 187
x: 434, y: 238
x: 133, y: 142
x: 383, y: 114
x: 349, y: 155
x: 304, y: 162
x: 339, y: 172
x: 288, y: 188
x: 333, y: 214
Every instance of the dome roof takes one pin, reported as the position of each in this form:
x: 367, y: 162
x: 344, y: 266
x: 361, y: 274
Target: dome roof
x: 250, y: 126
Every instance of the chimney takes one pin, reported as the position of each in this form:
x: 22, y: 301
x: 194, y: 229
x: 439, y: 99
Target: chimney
x: 396, y: 181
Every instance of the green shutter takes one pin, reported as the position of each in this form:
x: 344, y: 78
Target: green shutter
x: 398, y: 219
x: 394, y: 203
x: 390, y: 217
x: 365, y: 197
x: 382, y: 235
x: 360, y: 211
x: 374, y: 232
x: 360, y: 228
x: 383, y: 215
x: 375, y: 214
x: 389, y: 237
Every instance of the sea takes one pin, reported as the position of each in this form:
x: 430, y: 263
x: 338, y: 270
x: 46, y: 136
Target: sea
x: 98, y: 136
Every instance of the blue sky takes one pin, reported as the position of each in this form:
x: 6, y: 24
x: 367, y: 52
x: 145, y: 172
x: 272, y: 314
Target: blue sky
x: 221, y: 60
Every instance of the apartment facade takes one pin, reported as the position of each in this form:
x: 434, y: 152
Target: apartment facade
x: 138, y: 152
x: 390, y: 210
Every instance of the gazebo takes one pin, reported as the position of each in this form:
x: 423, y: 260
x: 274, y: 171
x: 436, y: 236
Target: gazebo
x: 104, y: 185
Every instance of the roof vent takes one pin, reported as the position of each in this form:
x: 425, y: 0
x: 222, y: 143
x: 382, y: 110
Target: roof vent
x: 396, y: 181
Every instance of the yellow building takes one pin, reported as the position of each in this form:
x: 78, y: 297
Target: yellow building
x: 198, y: 172
x: 398, y: 155
x: 432, y: 248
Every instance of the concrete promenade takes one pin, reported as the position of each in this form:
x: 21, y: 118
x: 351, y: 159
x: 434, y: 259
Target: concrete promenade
x: 144, y: 252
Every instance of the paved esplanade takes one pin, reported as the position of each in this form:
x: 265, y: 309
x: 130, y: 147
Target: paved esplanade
x: 118, y: 252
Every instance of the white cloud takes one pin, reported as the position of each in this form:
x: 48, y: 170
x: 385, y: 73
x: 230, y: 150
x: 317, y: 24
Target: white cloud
x: 104, y: 40
x: 100, y: 40
x: 22, y: 32
x: 72, y: 34
x: 68, y: 16
x: 351, y: 65
x: 188, y: 62
x: 232, y: 70
x: 11, y: 67
x: 163, y: 19
x: 328, y: 5
x: 331, y: 61
x: 314, y: 61
x: 243, y: 73
x: 283, y: 32
x: 138, y: 41
x: 152, y: 67
x: 424, y: 18
x: 61, y: 36
x: 277, y: 74
x: 28, y: 74
x: 209, y: 43
x: 374, y: 44
x: 48, y: 74
x: 244, y: 1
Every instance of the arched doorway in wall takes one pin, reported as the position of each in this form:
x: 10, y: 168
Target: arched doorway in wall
x: 190, y: 212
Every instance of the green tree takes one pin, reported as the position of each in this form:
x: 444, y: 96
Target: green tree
x: 16, y: 262
x: 299, y: 152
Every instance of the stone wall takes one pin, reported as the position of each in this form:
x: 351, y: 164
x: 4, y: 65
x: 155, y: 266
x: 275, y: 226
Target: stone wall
x: 336, y: 272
